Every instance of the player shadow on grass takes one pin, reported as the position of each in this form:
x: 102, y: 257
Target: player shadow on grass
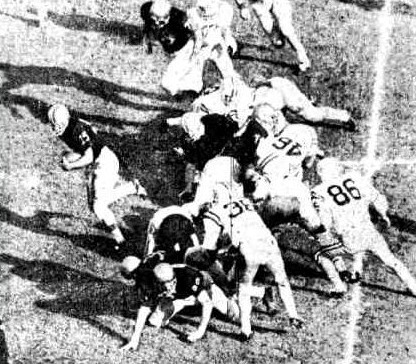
x: 40, y: 224
x: 132, y: 33
x: 80, y: 295
x: 403, y: 224
x: 250, y: 52
x: 15, y: 77
x: 399, y: 7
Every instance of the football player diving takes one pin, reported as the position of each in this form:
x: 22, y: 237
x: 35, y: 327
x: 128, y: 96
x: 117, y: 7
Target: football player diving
x: 87, y: 149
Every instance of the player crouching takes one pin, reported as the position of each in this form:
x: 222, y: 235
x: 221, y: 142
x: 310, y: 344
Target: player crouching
x: 229, y: 214
x: 164, y: 289
x: 105, y: 185
x: 342, y: 201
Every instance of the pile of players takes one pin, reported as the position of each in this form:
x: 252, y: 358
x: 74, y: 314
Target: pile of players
x: 245, y: 170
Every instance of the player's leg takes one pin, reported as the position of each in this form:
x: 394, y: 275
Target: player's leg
x: 227, y: 306
x: 102, y: 182
x: 297, y: 102
x: 183, y: 72
x: 381, y: 249
x: 262, y: 12
x: 308, y: 214
x: 244, y: 296
x: 277, y: 268
x: 282, y: 10
x: 329, y: 258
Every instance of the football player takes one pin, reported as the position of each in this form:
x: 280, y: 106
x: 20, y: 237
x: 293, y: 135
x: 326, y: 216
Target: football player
x: 164, y: 289
x: 281, y: 155
x: 171, y: 229
x: 228, y: 213
x: 342, y: 201
x: 166, y: 24
x: 210, y: 22
x: 105, y: 185
x: 276, y: 15
x: 236, y: 99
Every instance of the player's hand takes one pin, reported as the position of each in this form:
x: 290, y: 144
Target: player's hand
x: 129, y: 346
x: 304, y: 63
x: 386, y: 221
x: 65, y: 164
x: 245, y: 13
x: 179, y: 151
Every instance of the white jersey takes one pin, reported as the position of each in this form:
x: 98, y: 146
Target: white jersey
x: 219, y: 182
x: 239, y: 107
x: 239, y: 221
x: 282, y: 156
x: 343, y: 203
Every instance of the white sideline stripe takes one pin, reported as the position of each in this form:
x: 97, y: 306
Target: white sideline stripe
x: 371, y: 164
x: 385, y: 27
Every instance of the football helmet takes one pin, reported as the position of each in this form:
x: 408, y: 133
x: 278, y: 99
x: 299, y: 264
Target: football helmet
x: 129, y: 265
x: 164, y: 272
x: 58, y: 116
x: 160, y: 12
x: 269, y: 118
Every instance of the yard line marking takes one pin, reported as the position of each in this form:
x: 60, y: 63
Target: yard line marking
x: 385, y: 28
x: 371, y: 164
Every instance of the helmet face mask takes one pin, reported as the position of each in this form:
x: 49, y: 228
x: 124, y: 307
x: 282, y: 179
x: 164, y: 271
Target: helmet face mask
x: 58, y: 116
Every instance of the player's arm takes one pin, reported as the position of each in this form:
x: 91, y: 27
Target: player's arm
x: 207, y: 306
x: 86, y: 159
x: 322, y: 207
x: 142, y: 315
x: 150, y: 238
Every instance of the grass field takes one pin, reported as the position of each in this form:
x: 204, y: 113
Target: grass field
x: 62, y: 300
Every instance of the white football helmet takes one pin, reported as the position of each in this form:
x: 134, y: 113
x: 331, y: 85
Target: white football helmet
x: 58, y: 116
x: 164, y: 272
x: 269, y: 118
x: 160, y: 12
x: 129, y: 264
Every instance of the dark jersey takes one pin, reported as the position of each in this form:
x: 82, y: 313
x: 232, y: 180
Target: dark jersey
x: 172, y: 36
x: 219, y: 131
x: 79, y: 136
x: 189, y: 282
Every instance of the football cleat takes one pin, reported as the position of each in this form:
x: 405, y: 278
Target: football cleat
x: 245, y: 338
